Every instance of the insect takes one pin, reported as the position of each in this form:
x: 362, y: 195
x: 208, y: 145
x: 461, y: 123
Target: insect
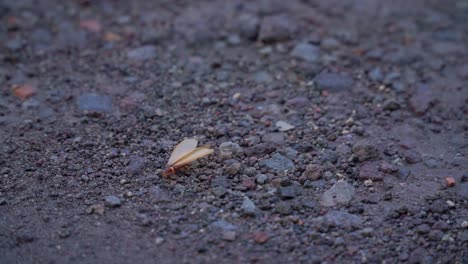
x: 184, y: 153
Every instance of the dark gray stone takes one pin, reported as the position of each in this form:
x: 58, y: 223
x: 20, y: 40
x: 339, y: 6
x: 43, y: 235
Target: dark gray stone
x: 261, y: 178
x: 306, y: 52
x: 94, y: 102
x: 370, y: 171
x: 421, y: 100
x: 333, y: 82
x: 248, y: 26
x: 142, y: 53
x: 284, y: 208
x: 276, y: 28
x: 275, y: 138
x: 248, y: 207
x: 376, y: 75
x: 341, y: 220
x: 289, y: 192
x: 159, y: 195
x: 219, y: 191
x: 136, y: 164
x: 112, y: 201
x: 340, y: 193
x: 365, y: 151
x: 223, y: 225
x: 278, y: 162
x: 462, y: 190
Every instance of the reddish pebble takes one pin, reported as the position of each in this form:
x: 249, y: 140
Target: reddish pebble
x: 23, y: 91
x: 91, y: 25
x: 112, y: 37
x: 12, y: 22
x: 249, y: 184
x: 450, y: 181
x: 260, y: 237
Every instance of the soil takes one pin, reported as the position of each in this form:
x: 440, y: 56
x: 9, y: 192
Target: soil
x: 340, y: 131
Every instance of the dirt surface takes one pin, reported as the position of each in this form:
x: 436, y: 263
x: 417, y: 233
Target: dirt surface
x: 339, y: 127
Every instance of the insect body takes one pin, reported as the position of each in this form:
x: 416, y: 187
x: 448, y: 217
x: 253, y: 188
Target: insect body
x: 184, y: 153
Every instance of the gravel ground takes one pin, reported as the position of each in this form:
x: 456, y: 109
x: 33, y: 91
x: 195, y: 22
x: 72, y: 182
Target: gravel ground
x: 340, y: 131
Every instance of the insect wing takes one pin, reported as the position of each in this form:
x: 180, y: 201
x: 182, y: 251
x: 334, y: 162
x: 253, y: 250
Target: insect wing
x: 194, y: 155
x: 182, y: 149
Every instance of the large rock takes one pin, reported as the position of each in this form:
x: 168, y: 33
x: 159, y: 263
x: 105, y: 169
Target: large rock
x: 341, y: 220
x: 278, y: 162
x: 340, y: 193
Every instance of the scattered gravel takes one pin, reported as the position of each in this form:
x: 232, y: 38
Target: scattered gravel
x: 338, y: 127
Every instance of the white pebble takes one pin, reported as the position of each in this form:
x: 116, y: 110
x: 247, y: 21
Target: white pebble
x: 368, y: 183
x: 450, y: 203
x: 284, y: 126
x: 464, y: 224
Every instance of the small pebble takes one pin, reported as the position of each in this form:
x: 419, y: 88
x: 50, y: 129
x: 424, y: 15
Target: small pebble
x: 248, y: 207
x: 260, y: 237
x: 306, y: 52
x: 112, y: 201
x: 464, y: 224
x: 219, y: 191
x: 159, y: 240
x: 284, y: 126
x: 450, y: 204
x: 229, y: 149
x: 96, y: 209
x: 142, y: 53
x: 450, y: 181
x: 284, y: 208
x: 368, y: 183
x: 229, y: 235
x: 261, y: 178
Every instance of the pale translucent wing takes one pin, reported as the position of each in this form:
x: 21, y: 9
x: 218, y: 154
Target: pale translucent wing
x: 182, y: 149
x: 194, y: 155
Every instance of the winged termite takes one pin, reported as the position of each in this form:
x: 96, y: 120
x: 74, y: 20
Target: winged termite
x: 184, y: 153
